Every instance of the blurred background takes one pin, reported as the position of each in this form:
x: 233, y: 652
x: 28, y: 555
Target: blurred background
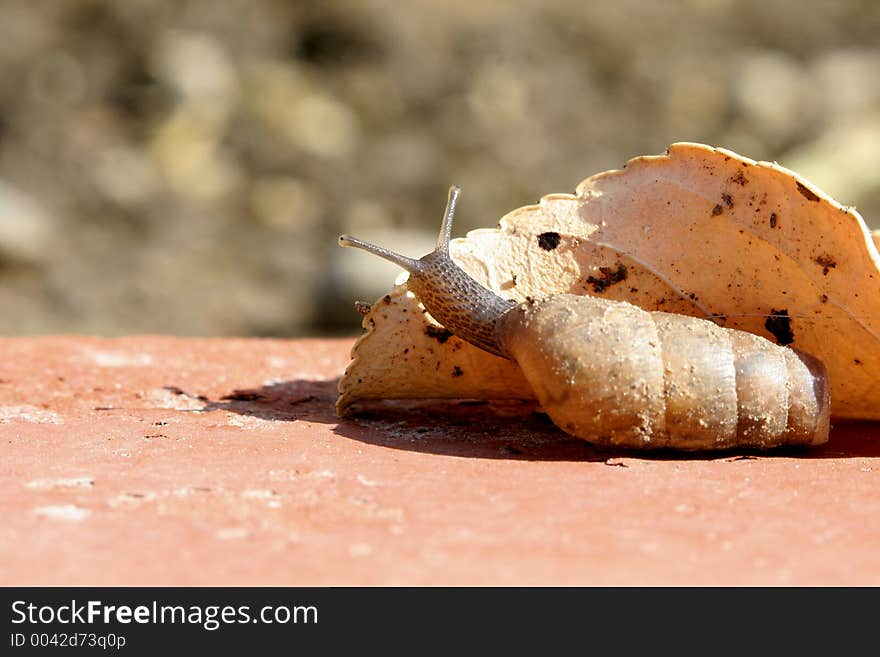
x: 185, y: 166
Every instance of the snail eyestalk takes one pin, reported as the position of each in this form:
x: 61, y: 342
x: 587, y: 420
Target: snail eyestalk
x: 452, y: 297
x: 409, y: 264
x: 448, y: 214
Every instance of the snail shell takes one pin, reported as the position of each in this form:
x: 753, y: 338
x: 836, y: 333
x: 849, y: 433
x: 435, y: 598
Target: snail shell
x: 611, y: 373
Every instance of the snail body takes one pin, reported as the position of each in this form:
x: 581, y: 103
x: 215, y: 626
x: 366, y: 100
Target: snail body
x: 612, y: 373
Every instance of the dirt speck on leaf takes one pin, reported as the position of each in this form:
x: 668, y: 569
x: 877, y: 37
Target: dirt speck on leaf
x: 826, y: 262
x: 779, y: 325
x: 806, y: 192
x: 439, y: 333
x: 609, y: 276
x: 739, y: 179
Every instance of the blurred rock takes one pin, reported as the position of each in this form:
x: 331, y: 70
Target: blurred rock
x: 775, y: 95
x: 322, y: 126
x: 844, y: 161
x: 198, y: 68
x: 189, y: 152
x: 25, y: 228
x: 57, y: 78
x: 849, y: 81
x: 126, y: 175
x: 285, y: 203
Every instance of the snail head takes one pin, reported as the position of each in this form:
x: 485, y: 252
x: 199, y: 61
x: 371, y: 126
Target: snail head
x: 452, y: 297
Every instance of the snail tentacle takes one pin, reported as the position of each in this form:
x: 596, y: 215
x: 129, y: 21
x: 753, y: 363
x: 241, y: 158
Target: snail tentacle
x: 453, y: 297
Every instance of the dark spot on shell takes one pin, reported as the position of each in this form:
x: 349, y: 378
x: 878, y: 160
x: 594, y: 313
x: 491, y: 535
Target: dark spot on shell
x: 806, y: 192
x: 717, y: 210
x: 739, y: 179
x: 772, y: 220
x: 824, y: 298
x: 779, y: 325
x: 826, y: 262
x: 548, y: 241
x: 439, y: 333
x: 609, y: 277
x: 728, y: 200
x: 457, y: 371
x: 362, y: 307
x: 386, y: 298
x: 857, y: 361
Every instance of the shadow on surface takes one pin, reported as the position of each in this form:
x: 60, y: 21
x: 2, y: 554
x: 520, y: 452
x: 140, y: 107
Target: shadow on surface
x: 495, y: 430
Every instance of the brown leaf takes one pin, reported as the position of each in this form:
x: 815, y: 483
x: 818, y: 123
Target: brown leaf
x: 700, y: 231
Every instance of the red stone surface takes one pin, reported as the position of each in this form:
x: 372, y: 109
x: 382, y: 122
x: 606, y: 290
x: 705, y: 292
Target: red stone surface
x: 140, y: 461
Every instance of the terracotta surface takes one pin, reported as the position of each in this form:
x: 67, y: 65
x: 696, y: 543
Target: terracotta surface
x: 166, y: 461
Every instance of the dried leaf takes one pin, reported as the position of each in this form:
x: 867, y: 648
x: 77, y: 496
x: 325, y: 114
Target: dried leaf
x: 700, y: 231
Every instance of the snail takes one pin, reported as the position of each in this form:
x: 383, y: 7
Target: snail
x: 611, y: 373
